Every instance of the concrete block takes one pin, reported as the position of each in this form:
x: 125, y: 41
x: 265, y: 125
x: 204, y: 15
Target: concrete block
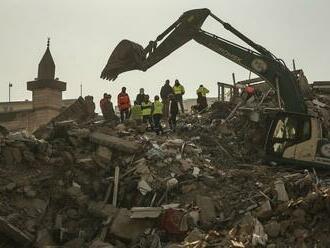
x: 206, y: 205
x: 115, y: 142
x: 126, y: 228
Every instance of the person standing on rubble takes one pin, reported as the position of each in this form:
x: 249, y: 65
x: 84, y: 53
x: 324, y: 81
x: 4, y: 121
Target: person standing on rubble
x: 174, y: 109
x: 249, y: 91
x: 90, y: 106
x: 140, y: 97
x: 179, y: 91
x: 165, y: 91
x: 157, y: 113
x: 146, y: 107
x: 136, y: 113
x: 124, y: 104
x: 201, y: 97
x: 107, y: 108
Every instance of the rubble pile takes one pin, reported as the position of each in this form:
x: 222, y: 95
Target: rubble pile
x: 100, y: 185
x: 237, y: 140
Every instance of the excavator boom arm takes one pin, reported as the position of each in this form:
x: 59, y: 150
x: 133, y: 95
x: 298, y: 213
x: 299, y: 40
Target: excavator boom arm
x: 266, y: 67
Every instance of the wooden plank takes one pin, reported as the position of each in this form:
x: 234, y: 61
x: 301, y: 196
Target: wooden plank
x: 115, y: 190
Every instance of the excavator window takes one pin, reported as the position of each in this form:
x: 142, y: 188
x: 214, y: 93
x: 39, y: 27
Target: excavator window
x: 288, y: 131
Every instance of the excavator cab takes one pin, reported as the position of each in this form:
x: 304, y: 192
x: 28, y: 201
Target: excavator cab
x: 297, y: 139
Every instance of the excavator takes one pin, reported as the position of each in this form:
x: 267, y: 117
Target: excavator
x: 294, y: 136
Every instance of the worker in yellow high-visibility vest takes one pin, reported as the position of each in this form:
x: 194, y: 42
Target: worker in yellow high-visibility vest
x: 179, y: 91
x: 202, y: 90
x: 146, y: 107
x: 136, y: 113
x: 157, y: 113
x: 201, y: 97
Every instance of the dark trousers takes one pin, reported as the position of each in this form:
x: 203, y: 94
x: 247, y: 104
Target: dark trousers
x: 166, y: 107
x: 172, y: 121
x: 124, y: 114
x: 157, y: 125
x: 179, y: 99
x: 148, y: 119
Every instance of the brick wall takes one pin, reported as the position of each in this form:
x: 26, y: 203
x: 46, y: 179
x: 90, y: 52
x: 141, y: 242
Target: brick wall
x: 47, y: 98
x: 27, y: 120
x: 23, y: 120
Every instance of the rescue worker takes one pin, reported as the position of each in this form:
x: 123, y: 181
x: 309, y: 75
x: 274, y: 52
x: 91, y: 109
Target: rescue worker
x: 136, y: 112
x: 178, y: 91
x: 140, y: 97
x: 249, y: 91
x: 157, y: 113
x: 174, y: 109
x: 201, y: 97
x: 90, y: 106
x: 165, y: 91
x: 204, y: 91
x: 201, y: 102
x: 107, y: 108
x: 146, y: 111
x: 124, y: 104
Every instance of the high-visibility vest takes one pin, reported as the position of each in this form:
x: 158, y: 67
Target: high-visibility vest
x: 158, y: 108
x: 178, y: 90
x: 202, y: 90
x: 146, y: 108
x: 136, y: 112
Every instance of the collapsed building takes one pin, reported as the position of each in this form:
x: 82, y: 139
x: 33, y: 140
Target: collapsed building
x: 90, y: 183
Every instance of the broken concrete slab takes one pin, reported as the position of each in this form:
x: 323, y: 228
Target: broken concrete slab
x: 207, y: 207
x: 282, y: 195
x: 99, y: 209
x: 104, y: 153
x: 115, y: 142
x: 123, y: 226
x: 145, y: 212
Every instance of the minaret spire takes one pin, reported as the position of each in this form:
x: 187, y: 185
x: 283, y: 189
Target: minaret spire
x: 46, y: 69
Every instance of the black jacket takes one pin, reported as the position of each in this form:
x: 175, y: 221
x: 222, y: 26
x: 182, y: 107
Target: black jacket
x: 140, y: 98
x: 165, y: 91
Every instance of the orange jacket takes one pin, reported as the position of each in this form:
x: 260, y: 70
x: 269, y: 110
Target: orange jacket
x: 123, y: 101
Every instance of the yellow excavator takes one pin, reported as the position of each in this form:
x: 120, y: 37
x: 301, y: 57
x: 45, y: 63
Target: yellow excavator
x: 293, y: 137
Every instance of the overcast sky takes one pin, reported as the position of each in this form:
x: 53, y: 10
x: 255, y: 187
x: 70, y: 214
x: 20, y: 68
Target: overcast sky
x: 83, y: 34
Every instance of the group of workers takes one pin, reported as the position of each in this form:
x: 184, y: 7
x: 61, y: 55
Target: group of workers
x: 164, y: 107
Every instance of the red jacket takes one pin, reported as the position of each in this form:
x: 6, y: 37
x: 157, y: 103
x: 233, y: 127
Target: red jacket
x: 123, y: 101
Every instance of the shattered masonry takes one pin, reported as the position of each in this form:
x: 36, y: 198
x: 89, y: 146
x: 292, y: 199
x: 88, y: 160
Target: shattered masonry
x: 93, y: 184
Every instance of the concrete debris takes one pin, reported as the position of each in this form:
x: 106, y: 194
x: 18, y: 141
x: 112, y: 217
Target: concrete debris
x: 282, y: 195
x: 127, y: 228
x: 145, y: 212
x: 259, y: 237
x: 114, y: 142
x: 95, y: 184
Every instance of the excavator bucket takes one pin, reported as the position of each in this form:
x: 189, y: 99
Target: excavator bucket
x: 125, y: 57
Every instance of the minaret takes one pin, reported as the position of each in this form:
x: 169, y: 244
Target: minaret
x: 46, y: 90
